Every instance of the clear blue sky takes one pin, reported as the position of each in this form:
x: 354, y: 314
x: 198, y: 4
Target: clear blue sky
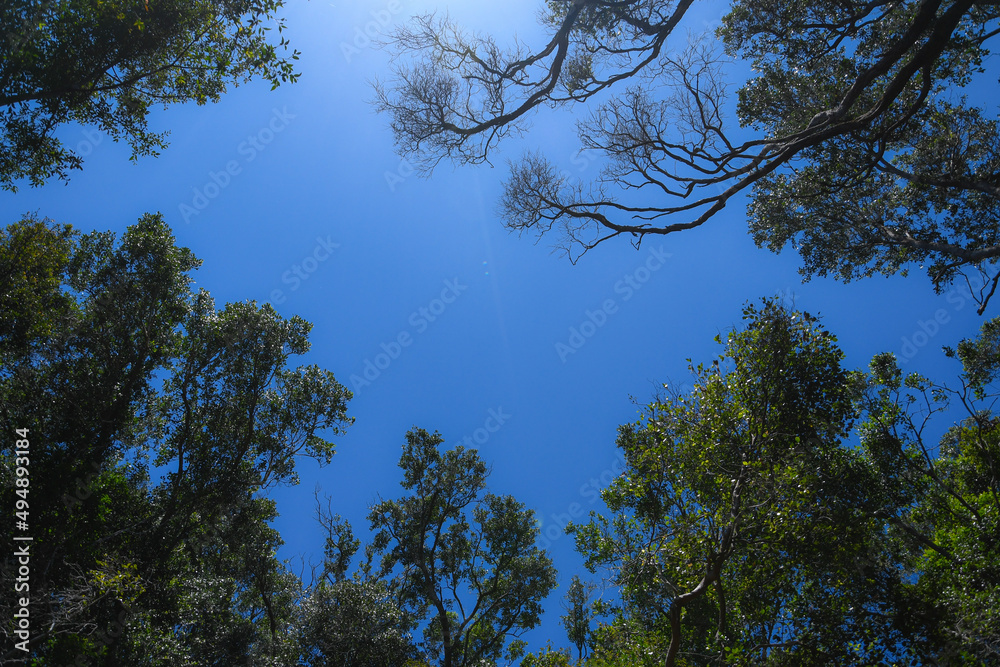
x: 300, y: 202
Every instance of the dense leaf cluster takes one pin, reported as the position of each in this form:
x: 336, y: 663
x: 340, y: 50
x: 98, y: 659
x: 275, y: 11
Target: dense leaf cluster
x: 108, y: 63
x: 749, y: 529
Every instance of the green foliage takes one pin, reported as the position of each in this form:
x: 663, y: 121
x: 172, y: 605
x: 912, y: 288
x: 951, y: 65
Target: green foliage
x: 465, y: 557
x: 578, y: 614
x: 354, y: 623
x: 34, y: 257
x: 747, y: 530
x: 131, y: 368
x: 908, y: 182
x: 941, y: 504
x: 548, y: 657
x: 740, y: 518
x: 106, y: 63
x: 960, y: 574
x: 626, y: 641
x: 981, y: 356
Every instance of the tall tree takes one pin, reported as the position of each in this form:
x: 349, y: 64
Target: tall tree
x: 357, y: 620
x: 747, y: 529
x: 862, y: 155
x: 948, y: 520
x: 578, y: 614
x: 106, y: 63
x: 739, y: 522
x: 130, y: 370
x: 466, y: 557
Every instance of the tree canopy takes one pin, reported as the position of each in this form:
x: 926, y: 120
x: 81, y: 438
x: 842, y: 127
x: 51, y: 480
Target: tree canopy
x: 158, y: 420
x: 106, y: 64
x: 748, y: 530
x: 850, y: 137
x: 481, y: 582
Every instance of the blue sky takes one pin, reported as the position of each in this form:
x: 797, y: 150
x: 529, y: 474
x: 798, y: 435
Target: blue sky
x: 295, y: 196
